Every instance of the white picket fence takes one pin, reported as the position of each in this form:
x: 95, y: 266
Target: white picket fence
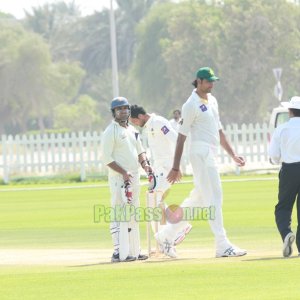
x: 80, y: 152
x: 50, y: 154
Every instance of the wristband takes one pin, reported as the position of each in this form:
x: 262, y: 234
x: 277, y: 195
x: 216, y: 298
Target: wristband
x: 176, y: 170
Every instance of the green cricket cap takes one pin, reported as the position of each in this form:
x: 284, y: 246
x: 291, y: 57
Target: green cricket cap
x: 206, y: 73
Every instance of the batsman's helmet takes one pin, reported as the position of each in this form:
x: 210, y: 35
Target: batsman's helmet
x: 119, y: 101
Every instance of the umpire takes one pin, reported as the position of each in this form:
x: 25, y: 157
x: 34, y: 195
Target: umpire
x: 285, y: 147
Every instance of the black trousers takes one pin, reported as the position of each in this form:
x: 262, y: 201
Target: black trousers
x: 289, y: 190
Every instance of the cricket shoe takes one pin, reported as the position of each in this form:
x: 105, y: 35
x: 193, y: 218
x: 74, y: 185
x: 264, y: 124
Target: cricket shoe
x: 231, y: 251
x: 166, y: 245
x: 182, y: 234
x: 142, y: 257
x: 128, y: 258
x: 287, y: 244
x: 116, y: 258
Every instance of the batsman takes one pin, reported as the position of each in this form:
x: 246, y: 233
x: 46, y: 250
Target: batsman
x: 123, y: 153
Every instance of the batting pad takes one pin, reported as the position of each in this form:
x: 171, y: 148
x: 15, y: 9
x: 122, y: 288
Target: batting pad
x: 115, y: 232
x: 134, y: 238
x: 123, y: 241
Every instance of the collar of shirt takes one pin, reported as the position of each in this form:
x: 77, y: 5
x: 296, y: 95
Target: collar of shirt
x: 148, y: 123
x: 118, y: 124
x: 204, y: 101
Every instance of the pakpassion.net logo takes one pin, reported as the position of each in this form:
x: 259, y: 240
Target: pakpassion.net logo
x: 172, y: 213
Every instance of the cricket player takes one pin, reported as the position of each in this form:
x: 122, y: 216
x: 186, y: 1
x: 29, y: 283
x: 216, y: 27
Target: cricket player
x: 200, y: 118
x: 176, y: 119
x: 122, y: 153
x: 161, y: 138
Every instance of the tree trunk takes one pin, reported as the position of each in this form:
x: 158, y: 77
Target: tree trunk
x: 41, y: 123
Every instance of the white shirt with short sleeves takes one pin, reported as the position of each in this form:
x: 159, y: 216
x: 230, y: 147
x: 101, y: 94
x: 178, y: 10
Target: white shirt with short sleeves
x: 285, y: 142
x: 161, y: 139
x: 175, y: 124
x: 121, y: 145
x: 201, y: 119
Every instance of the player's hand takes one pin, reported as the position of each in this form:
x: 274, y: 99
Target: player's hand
x: 174, y: 176
x: 152, y: 181
x: 127, y: 176
x: 239, y: 160
x: 128, y: 192
x: 148, y: 169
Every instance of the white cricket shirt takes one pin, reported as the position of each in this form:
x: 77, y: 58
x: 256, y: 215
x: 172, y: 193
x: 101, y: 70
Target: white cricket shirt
x: 201, y: 118
x: 175, y: 124
x: 285, y: 142
x: 121, y: 145
x: 161, y: 139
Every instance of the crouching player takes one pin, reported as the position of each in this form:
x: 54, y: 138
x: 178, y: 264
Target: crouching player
x: 161, y: 139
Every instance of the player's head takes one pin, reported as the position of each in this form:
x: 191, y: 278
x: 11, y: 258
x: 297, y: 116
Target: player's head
x: 176, y: 114
x: 294, y: 106
x: 138, y: 115
x: 120, y: 109
x: 205, y: 77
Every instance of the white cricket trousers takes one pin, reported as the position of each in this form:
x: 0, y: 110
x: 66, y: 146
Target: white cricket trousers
x: 207, y: 192
x: 125, y: 235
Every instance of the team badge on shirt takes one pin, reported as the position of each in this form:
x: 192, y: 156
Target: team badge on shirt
x: 203, y: 107
x: 165, y: 129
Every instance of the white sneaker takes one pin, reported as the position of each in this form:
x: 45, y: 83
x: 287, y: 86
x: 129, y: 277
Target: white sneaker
x: 231, y: 251
x: 166, y: 245
x: 182, y: 234
x: 287, y: 244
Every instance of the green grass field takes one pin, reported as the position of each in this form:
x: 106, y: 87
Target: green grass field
x: 51, y: 248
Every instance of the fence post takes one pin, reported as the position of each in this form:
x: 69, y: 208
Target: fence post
x: 5, y: 163
x: 258, y: 131
x: 82, y: 167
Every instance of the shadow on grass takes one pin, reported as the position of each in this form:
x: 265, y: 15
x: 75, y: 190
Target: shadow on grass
x: 148, y: 261
x: 93, y: 265
x: 271, y: 258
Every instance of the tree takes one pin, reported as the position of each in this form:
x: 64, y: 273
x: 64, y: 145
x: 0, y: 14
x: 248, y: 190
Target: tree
x: 88, y: 41
x: 170, y: 39
x: 150, y: 67
x: 78, y: 117
x: 193, y: 41
x: 10, y: 36
x: 31, y: 84
x: 242, y: 40
x: 255, y: 36
x: 48, y: 19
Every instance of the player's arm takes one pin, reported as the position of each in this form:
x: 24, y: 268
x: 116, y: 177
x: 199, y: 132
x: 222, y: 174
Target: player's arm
x: 145, y: 163
x: 175, y: 174
x: 274, y: 149
x: 126, y: 175
x: 168, y: 131
x: 239, y: 160
x: 143, y: 160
